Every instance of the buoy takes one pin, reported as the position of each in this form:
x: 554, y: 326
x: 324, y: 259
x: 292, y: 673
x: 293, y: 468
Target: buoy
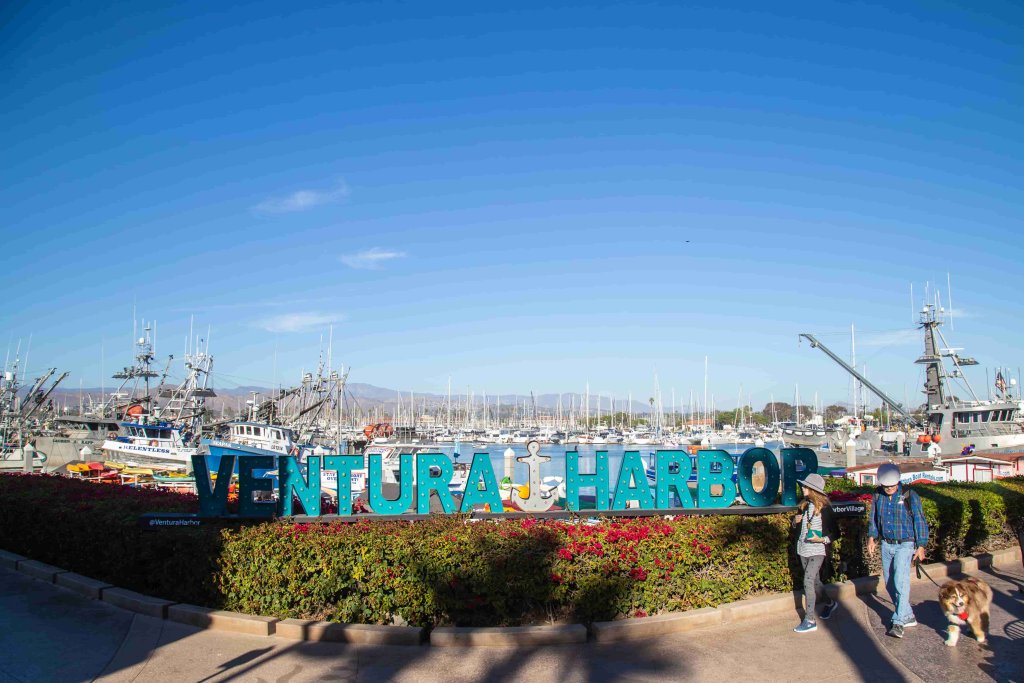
x: 937, y: 438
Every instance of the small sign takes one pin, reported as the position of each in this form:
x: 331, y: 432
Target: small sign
x: 851, y: 509
x: 170, y: 520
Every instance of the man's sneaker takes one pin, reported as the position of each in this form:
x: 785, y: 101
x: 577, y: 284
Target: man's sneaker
x: 896, y: 631
x: 912, y: 622
x: 806, y: 626
x: 830, y: 608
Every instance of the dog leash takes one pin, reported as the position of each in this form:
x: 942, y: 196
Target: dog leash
x: 920, y: 569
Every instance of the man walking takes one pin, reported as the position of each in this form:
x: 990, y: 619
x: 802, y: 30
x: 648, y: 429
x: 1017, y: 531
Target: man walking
x: 898, y: 520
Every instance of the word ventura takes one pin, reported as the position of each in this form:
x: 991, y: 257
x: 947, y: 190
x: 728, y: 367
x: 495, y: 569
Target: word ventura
x: 718, y: 477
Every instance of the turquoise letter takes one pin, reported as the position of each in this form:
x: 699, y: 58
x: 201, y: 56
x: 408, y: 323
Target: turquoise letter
x: 475, y: 495
x: 249, y: 484
x: 380, y: 504
x: 632, y: 468
x: 766, y: 496
x: 707, y: 477
x: 575, y: 481
x: 344, y: 464
x: 213, y: 502
x: 426, y: 482
x: 668, y: 480
x: 290, y: 482
x: 790, y: 478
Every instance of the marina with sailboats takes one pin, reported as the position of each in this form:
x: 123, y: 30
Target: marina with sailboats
x: 147, y: 430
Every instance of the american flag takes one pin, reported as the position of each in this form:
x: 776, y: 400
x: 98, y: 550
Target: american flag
x: 1000, y: 382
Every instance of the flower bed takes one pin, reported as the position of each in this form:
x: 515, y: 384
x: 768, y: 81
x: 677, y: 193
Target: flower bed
x: 448, y: 569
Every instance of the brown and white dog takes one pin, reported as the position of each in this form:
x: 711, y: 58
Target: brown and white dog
x: 966, y: 602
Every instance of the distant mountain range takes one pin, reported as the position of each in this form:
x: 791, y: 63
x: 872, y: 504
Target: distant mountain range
x: 368, y: 396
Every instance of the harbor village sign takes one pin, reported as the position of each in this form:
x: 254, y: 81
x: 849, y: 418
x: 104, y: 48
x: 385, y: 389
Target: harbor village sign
x: 718, y: 480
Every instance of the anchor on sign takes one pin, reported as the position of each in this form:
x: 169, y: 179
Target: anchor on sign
x: 535, y: 500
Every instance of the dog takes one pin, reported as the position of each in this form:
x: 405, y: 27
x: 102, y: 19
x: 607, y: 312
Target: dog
x: 966, y: 602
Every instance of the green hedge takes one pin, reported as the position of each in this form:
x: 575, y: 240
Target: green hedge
x: 449, y: 569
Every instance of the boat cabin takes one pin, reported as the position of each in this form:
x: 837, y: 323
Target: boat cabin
x: 261, y: 435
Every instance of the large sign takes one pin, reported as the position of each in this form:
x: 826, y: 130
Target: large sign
x: 718, y: 477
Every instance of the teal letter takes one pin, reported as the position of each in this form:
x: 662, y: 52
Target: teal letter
x: 344, y: 464
x: 751, y: 496
x: 575, y: 481
x: 489, y: 494
x: 706, y: 478
x: 290, y: 482
x: 790, y: 479
x: 249, y: 484
x: 632, y: 468
x: 425, y: 482
x: 667, y: 480
x: 213, y: 502
x: 380, y: 504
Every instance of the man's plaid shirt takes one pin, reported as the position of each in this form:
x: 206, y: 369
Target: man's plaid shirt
x: 892, y: 523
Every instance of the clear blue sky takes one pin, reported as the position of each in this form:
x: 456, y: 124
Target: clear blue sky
x: 521, y: 197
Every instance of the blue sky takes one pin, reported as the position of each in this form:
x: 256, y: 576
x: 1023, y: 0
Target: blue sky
x: 521, y: 197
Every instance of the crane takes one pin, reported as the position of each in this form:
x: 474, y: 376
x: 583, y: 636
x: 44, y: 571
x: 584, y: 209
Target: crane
x: 815, y: 344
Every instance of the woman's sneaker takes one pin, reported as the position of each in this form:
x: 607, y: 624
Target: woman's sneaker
x: 806, y: 626
x: 912, y: 622
x: 896, y: 631
x: 830, y: 608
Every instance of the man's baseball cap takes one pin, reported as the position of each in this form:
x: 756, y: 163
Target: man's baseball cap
x: 889, y: 474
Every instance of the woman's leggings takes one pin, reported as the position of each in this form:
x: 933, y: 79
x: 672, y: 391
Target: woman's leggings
x: 812, y: 583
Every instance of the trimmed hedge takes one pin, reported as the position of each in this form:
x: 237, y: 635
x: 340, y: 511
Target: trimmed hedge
x: 450, y: 569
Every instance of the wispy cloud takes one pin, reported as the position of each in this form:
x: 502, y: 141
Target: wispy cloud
x: 959, y: 313
x: 370, y: 259
x: 303, y: 200
x: 250, y: 303
x: 298, y: 322
x: 895, y: 338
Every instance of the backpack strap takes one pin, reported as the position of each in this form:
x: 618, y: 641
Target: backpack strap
x: 907, y: 502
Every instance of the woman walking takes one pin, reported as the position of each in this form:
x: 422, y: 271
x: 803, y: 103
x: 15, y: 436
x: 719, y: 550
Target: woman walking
x: 817, y: 529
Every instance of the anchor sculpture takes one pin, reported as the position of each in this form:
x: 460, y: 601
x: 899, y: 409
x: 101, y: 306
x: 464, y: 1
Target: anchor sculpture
x: 537, y: 500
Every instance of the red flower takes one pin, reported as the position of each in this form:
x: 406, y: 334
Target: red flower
x: 638, y: 574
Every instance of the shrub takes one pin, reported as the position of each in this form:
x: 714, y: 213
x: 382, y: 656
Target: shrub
x: 451, y: 569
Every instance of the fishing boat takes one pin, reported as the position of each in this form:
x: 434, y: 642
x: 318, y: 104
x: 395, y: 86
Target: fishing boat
x: 952, y: 423
x: 167, y: 434
x: 20, y: 414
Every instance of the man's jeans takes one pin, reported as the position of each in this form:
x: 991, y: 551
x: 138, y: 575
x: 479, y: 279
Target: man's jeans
x: 896, y: 560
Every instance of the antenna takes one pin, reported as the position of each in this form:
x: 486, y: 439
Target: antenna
x: 949, y: 297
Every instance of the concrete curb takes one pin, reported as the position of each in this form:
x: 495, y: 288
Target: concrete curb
x: 40, y: 570
x: 760, y: 606
x: 10, y: 560
x: 640, y: 628
x: 90, y: 588
x: 508, y: 636
x: 445, y: 636
x: 219, y: 620
x: 362, y: 634
x: 136, y: 602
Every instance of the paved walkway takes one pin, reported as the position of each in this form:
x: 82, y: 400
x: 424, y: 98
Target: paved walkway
x: 51, y: 634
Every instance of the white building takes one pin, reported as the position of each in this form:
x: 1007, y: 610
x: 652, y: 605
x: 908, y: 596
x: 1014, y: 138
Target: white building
x: 911, y: 471
x: 983, y: 467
